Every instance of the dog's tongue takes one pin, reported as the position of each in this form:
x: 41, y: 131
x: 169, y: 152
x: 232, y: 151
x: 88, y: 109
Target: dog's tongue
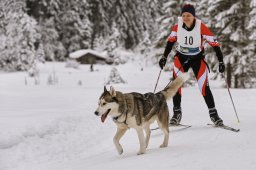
x: 103, y: 117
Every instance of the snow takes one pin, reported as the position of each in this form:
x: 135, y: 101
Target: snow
x: 50, y: 127
x: 82, y: 52
x: 253, y: 3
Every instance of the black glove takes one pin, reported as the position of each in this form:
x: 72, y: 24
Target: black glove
x: 162, y: 62
x: 221, y: 67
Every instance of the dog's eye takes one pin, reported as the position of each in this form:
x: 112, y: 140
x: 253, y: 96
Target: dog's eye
x: 103, y: 104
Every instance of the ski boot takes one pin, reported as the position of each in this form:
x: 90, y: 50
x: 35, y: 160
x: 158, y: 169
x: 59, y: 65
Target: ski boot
x: 176, y: 118
x: 215, y: 117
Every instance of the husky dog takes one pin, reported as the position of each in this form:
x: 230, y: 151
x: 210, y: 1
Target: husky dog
x: 138, y: 111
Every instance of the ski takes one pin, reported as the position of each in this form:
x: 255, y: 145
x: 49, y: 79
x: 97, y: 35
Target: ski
x: 178, y: 125
x: 225, y: 127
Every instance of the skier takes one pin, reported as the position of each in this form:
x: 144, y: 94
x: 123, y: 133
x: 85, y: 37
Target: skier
x: 190, y: 33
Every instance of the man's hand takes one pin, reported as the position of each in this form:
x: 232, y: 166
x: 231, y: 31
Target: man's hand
x: 162, y: 62
x: 221, y: 67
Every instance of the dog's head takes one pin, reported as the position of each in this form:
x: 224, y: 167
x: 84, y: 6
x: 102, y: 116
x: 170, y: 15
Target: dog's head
x: 108, y: 104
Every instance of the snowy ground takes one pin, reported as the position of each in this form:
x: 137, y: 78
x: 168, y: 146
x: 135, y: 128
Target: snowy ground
x: 53, y: 127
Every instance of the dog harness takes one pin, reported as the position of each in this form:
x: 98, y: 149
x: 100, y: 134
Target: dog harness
x: 115, y: 119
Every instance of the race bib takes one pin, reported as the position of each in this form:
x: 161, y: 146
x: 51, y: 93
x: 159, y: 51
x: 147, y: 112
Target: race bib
x: 189, y: 39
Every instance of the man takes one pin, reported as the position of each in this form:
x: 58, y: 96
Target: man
x: 190, y: 33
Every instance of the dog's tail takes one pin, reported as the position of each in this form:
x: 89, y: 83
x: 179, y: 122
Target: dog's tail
x: 173, y: 87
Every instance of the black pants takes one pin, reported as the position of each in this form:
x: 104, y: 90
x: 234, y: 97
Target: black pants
x: 200, y: 69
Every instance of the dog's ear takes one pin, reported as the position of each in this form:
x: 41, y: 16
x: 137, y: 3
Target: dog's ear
x: 112, y: 91
x: 105, y: 89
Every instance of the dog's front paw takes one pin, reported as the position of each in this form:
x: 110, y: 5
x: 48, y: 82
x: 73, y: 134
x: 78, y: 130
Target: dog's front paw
x: 120, y: 151
x: 163, y: 145
x: 119, y: 148
x: 140, y: 152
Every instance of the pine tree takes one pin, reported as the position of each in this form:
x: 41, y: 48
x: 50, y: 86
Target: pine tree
x: 73, y: 24
x: 99, y: 16
x: 45, y: 12
x: 252, y: 22
x: 170, y: 12
x: 252, y: 43
x: 19, y: 35
x: 133, y: 19
x: 65, y: 24
x: 114, y: 77
x: 52, y: 46
x: 233, y: 34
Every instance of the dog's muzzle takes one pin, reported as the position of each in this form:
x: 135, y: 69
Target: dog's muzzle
x: 103, y: 116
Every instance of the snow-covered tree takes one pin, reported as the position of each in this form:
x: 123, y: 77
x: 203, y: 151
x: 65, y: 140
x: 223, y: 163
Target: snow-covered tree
x: 114, y: 77
x: 18, y: 36
x: 89, y: 23
x: 171, y: 9
x: 74, y: 25
x: 52, y: 46
x: 44, y: 12
x: 99, y: 16
x: 133, y: 18
x: 65, y: 26
x: 230, y: 20
x: 252, y: 41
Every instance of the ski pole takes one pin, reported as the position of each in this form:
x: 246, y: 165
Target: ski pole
x: 232, y: 100
x: 157, y: 80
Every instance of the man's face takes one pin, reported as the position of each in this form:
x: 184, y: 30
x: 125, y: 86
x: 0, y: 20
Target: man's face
x: 187, y: 18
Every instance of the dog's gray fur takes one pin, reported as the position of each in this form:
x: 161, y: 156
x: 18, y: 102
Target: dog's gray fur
x: 138, y: 111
